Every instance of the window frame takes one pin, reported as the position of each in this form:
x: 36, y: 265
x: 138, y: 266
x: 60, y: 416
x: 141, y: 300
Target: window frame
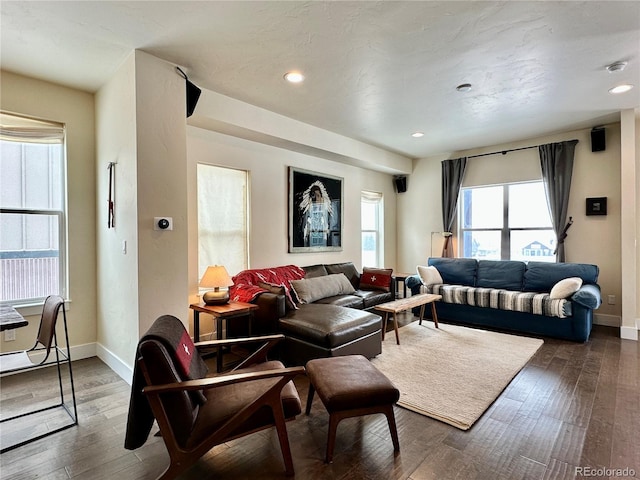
x: 505, y: 230
x: 246, y: 213
x: 377, y: 199
x: 59, y: 214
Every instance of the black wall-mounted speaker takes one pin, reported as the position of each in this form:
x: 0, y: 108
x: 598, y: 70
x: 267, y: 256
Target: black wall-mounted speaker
x: 598, y: 143
x: 401, y: 184
x: 193, y: 94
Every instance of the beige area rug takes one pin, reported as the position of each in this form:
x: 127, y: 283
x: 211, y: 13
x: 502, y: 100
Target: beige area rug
x: 452, y: 374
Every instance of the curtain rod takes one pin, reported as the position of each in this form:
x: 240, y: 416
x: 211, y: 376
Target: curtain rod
x: 504, y: 152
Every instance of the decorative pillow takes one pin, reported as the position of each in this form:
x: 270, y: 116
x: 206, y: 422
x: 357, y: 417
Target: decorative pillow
x: 429, y: 275
x: 566, y: 287
x: 309, y: 290
x: 279, y: 290
x: 349, y: 270
x: 376, y: 279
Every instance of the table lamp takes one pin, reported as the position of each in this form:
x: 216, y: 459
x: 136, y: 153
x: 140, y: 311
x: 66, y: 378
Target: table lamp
x: 216, y: 276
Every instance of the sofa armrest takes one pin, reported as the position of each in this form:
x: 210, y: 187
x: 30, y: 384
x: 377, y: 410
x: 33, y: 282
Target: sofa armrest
x: 271, y: 307
x: 588, y: 296
x: 412, y: 282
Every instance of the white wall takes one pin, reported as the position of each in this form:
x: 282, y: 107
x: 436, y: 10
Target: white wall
x: 75, y: 109
x: 141, y: 125
x: 117, y: 273
x: 630, y: 194
x: 592, y: 239
x: 162, y: 189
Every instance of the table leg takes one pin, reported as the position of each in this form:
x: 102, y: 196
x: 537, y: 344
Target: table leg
x: 395, y: 327
x: 434, y: 314
x: 384, y: 324
x: 196, y: 326
x: 421, y: 314
x: 219, y: 328
x: 220, y: 352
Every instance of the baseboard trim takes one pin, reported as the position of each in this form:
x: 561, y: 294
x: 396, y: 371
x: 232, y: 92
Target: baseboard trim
x: 115, y: 363
x: 607, y: 320
x: 630, y: 333
x: 78, y: 352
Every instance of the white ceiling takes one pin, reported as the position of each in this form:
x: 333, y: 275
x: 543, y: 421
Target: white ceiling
x: 375, y: 71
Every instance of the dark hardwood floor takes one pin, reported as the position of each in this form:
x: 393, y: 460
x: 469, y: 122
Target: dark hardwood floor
x: 573, y: 406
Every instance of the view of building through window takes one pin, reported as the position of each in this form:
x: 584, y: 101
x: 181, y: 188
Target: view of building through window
x: 32, y: 247
x: 506, y: 222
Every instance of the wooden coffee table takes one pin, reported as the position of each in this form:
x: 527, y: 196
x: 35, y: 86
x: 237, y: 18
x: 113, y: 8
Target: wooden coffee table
x: 397, y: 306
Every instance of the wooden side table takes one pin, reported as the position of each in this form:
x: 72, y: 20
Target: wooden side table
x: 401, y: 277
x: 227, y: 312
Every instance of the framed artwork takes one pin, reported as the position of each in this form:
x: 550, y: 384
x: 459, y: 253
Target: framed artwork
x: 597, y: 206
x: 315, y: 212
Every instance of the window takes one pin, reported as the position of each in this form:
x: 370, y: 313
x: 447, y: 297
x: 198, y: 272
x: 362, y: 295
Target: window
x: 222, y: 218
x: 32, y: 210
x: 371, y: 219
x: 506, y: 222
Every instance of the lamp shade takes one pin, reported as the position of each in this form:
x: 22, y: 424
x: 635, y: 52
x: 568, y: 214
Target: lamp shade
x: 216, y: 276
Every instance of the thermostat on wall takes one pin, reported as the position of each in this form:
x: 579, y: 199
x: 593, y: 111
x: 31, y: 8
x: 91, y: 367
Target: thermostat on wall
x: 163, y: 223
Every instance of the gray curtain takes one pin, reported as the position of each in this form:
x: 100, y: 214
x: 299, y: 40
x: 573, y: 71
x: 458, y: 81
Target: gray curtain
x: 452, y: 175
x: 556, y: 161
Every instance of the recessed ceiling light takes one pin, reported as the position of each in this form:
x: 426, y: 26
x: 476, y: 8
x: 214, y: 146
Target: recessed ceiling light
x: 465, y: 87
x: 616, y: 67
x: 294, y: 77
x: 417, y: 134
x: 621, y: 88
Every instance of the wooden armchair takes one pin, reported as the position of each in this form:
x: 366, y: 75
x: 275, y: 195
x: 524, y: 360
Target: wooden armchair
x: 195, y: 411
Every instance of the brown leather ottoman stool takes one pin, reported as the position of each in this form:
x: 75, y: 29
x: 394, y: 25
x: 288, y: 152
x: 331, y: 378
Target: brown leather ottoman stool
x: 350, y: 386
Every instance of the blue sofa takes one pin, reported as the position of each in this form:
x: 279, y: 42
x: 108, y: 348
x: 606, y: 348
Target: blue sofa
x: 512, y: 295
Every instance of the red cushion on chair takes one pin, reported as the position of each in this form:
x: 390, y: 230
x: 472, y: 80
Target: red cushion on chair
x: 376, y: 279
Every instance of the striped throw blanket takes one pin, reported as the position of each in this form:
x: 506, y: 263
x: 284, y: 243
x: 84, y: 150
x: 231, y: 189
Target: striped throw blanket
x: 528, y: 302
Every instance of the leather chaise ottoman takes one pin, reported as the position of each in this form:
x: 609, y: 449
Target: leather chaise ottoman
x: 351, y: 386
x: 322, y: 330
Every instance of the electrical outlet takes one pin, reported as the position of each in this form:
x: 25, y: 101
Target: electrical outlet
x: 611, y: 300
x: 9, y: 335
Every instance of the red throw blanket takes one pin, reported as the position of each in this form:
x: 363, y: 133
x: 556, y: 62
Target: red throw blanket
x: 245, y: 284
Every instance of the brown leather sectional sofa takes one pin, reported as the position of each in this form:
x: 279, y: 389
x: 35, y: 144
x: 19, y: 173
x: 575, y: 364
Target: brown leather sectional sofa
x: 341, y: 324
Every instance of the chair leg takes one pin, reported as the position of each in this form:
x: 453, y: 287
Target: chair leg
x: 283, y: 438
x: 391, y: 420
x: 334, y: 419
x: 309, y: 398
